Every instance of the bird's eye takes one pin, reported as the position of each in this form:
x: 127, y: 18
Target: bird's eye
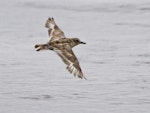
x: 77, y: 40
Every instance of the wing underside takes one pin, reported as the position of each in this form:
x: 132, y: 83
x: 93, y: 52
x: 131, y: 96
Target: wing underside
x: 71, y: 61
x: 54, y: 32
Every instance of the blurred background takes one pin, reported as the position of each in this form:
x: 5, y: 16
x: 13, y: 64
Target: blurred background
x: 115, y: 60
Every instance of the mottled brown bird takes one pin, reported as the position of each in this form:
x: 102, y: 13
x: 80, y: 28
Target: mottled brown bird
x: 63, y: 47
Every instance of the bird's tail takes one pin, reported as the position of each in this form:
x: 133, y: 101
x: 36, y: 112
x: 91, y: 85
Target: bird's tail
x: 40, y: 47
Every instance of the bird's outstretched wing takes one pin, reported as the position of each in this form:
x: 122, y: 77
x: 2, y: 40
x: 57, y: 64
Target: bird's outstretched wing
x: 54, y: 32
x: 70, y: 60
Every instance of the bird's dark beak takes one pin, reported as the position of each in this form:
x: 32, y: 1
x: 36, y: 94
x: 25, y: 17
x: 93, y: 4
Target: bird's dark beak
x: 82, y: 42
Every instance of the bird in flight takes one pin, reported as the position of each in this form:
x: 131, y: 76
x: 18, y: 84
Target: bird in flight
x: 63, y: 47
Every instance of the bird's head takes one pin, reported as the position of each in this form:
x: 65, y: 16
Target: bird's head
x: 78, y: 41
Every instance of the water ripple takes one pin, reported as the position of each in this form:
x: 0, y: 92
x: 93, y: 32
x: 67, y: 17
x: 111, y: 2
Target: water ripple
x: 37, y: 97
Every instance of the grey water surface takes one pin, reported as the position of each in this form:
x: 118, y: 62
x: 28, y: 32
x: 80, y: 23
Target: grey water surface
x: 115, y: 60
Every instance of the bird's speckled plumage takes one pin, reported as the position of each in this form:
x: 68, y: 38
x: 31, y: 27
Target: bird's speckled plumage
x: 62, y: 46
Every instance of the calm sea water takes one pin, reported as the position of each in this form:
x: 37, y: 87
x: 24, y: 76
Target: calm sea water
x: 115, y: 60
